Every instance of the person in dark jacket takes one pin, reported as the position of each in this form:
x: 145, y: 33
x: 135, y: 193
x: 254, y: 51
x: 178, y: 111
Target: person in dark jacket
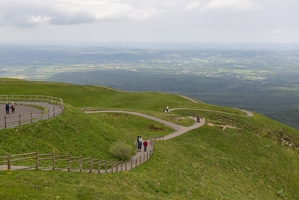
x: 7, y: 108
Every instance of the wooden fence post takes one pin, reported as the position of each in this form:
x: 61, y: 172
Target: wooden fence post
x: 19, y: 119
x: 131, y: 164
x: 53, y: 111
x: 53, y: 161
x: 31, y: 117
x: 36, y: 160
x: 8, y: 162
x: 90, y: 166
x: 99, y: 166
x: 5, y: 126
x: 106, y: 167
x: 80, y: 163
x: 48, y: 113
x: 126, y: 169
x: 69, y: 162
x: 136, y: 162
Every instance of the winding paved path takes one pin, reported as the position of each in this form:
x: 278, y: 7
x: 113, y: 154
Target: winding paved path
x: 178, y: 129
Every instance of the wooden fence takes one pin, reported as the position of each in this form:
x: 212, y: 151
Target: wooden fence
x: 67, y: 162
x: 31, y: 98
x: 13, y: 120
x: 35, y: 160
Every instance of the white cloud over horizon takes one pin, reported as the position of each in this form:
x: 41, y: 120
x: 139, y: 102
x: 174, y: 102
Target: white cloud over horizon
x: 171, y: 20
x: 235, y: 5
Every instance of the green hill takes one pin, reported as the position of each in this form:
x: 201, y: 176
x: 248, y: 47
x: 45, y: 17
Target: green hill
x: 252, y: 158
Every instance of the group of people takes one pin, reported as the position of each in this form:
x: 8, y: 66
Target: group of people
x: 11, y: 106
x: 140, y: 143
x: 165, y: 110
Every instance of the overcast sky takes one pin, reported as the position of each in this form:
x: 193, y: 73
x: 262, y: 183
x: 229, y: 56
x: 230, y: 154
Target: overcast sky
x: 97, y: 21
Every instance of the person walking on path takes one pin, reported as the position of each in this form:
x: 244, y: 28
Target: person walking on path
x: 139, y: 143
x: 7, y: 108
x: 12, y: 106
x: 198, y: 120
x: 145, y: 145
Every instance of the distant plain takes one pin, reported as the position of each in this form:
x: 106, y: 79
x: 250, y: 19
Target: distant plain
x: 257, y: 77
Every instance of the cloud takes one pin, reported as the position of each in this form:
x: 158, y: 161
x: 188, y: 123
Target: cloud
x: 192, y: 5
x: 276, y: 32
x: 68, y: 12
x: 235, y: 5
x: 144, y: 13
x: 39, y: 19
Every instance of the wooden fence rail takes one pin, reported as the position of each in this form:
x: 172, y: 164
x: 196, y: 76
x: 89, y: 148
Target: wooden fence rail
x: 31, y: 98
x: 13, y: 120
x: 34, y: 160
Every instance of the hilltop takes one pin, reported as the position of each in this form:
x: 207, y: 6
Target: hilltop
x: 252, y: 158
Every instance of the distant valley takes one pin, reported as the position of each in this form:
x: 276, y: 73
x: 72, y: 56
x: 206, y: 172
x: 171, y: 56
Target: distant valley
x: 261, y: 78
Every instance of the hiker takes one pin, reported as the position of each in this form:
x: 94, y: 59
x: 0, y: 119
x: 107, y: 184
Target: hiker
x: 137, y: 139
x: 139, y: 143
x: 12, y: 106
x: 7, y: 108
x: 145, y: 145
x: 198, y: 120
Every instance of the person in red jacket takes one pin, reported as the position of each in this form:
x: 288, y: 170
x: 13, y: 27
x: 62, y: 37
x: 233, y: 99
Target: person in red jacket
x: 145, y: 144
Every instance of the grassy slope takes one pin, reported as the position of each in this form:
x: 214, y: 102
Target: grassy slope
x: 249, y: 162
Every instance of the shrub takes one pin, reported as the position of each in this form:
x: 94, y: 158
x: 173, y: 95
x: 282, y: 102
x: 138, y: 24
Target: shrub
x: 121, y: 150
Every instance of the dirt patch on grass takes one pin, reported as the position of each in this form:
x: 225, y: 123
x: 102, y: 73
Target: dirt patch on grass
x: 153, y: 127
x: 222, y: 126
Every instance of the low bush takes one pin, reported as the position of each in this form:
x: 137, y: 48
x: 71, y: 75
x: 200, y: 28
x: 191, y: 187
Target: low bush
x: 121, y: 150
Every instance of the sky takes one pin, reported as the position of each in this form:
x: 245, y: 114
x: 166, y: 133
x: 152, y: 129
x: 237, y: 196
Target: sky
x: 148, y: 21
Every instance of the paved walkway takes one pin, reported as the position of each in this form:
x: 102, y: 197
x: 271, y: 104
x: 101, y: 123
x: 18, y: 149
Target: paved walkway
x: 178, y: 130
x: 24, y: 108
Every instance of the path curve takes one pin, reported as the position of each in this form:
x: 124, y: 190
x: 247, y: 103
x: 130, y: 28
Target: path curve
x: 23, y: 108
x: 178, y: 129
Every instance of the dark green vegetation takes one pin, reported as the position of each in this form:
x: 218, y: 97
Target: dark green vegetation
x: 256, y: 159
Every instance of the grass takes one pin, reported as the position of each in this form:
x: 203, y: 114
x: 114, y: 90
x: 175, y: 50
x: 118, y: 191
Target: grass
x: 251, y: 161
